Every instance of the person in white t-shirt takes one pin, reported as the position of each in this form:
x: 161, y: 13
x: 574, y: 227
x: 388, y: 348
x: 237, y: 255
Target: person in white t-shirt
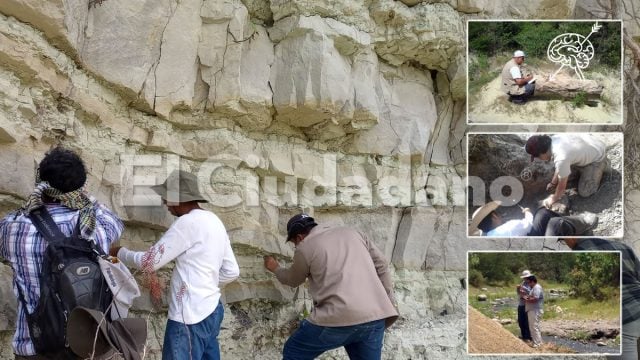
x: 586, y: 154
x: 517, y: 80
x: 200, y: 246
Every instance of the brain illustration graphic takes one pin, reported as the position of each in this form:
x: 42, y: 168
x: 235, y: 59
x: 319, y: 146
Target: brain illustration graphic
x: 572, y: 50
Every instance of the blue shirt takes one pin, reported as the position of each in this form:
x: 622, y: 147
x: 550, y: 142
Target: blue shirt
x: 23, y: 246
x: 525, y: 290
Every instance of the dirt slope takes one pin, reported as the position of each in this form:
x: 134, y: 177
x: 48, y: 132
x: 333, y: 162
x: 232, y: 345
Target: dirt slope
x: 490, y: 105
x: 486, y: 336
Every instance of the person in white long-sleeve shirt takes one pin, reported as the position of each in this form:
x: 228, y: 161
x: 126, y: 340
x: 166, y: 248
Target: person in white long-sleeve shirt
x: 486, y: 221
x: 200, y: 246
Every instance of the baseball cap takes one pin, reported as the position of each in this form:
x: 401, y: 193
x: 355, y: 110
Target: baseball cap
x: 518, y: 53
x: 297, y: 224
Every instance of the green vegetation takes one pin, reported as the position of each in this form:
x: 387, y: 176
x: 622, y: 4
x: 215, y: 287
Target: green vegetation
x: 579, y: 100
x: 589, y: 280
x: 580, y: 335
x: 491, y: 45
x: 502, y: 268
x: 585, y: 273
x: 572, y: 308
x: 493, y: 38
x: 595, y: 276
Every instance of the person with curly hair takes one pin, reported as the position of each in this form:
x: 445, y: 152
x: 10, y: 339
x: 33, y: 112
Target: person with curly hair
x: 59, y: 188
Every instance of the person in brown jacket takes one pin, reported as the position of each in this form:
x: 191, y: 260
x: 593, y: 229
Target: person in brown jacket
x: 351, y: 287
x: 517, y: 81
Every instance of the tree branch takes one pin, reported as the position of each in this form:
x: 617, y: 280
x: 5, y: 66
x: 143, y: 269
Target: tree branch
x: 633, y: 46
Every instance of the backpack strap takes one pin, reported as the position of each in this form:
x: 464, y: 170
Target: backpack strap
x: 45, y: 225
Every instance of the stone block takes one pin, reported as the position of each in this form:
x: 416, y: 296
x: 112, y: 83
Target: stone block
x: 123, y: 40
x: 431, y: 34
x: 8, y: 302
x: 7, y: 131
x: 407, y: 115
x: 236, y: 56
x: 353, y: 13
x: 18, y: 175
x: 415, y: 236
x: 311, y: 81
x: 175, y: 72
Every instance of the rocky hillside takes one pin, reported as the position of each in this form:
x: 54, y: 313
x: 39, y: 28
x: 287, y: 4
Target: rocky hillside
x: 351, y: 110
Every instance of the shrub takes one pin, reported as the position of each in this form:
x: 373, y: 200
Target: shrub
x: 475, y: 278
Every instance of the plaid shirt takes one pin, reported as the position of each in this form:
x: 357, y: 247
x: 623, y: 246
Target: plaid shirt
x: 23, y: 246
x: 630, y: 274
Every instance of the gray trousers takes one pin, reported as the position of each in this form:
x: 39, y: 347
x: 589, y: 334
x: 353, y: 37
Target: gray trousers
x: 590, y: 177
x: 534, y: 317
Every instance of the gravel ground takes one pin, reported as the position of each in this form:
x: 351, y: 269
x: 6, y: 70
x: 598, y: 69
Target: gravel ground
x: 491, y: 156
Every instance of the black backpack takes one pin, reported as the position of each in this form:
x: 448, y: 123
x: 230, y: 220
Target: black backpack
x: 70, y: 277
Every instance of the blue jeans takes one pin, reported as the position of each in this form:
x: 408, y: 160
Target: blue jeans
x: 362, y: 341
x: 200, y: 339
x: 529, y: 90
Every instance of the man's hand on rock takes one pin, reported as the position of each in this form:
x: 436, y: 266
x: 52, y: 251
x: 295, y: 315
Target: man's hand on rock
x: 270, y: 263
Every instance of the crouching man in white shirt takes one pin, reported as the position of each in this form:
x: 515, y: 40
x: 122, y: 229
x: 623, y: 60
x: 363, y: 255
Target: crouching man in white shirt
x: 200, y: 246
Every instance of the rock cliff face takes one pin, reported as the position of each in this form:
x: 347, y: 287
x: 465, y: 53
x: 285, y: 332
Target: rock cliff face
x: 351, y: 110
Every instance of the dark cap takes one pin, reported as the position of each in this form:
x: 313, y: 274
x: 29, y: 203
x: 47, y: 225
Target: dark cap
x: 297, y: 224
x: 536, y: 145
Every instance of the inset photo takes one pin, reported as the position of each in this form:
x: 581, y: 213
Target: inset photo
x: 545, y: 185
x: 551, y: 72
x: 554, y: 303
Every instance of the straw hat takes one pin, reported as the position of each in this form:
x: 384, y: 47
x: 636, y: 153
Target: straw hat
x: 526, y: 274
x: 480, y: 214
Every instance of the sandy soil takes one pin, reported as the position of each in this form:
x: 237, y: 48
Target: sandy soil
x: 487, y: 336
x: 490, y: 105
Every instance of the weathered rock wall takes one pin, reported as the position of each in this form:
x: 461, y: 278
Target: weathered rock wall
x: 352, y: 110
